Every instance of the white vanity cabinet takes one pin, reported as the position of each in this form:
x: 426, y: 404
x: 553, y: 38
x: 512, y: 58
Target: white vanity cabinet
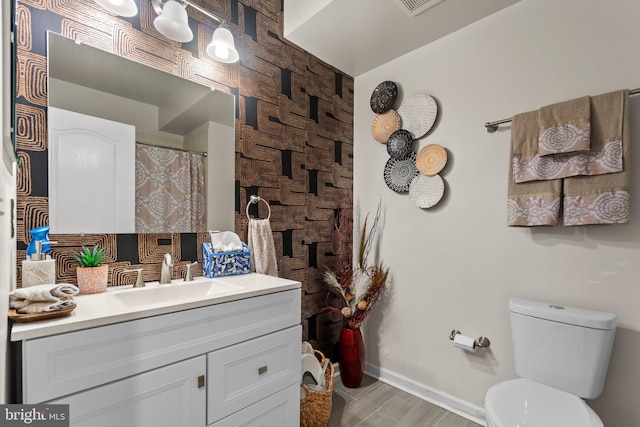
x: 233, y: 363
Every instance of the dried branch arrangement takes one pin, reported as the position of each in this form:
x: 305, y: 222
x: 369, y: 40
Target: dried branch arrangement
x: 358, y: 287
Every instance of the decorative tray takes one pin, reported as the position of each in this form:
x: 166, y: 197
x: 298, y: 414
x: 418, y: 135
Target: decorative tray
x: 418, y: 114
x: 34, y: 317
x: 383, y: 97
x: 426, y: 191
x: 431, y: 159
x: 399, y: 144
x: 384, y: 125
x: 398, y: 173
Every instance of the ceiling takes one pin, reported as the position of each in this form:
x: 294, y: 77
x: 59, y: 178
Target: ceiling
x: 357, y: 36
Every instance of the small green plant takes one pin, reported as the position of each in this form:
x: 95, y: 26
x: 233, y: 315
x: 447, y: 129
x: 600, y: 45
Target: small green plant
x: 90, y: 257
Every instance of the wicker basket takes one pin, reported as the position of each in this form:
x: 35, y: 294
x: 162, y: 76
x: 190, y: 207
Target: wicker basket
x: 315, y: 408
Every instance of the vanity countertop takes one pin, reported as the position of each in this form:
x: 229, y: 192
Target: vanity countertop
x: 123, y: 303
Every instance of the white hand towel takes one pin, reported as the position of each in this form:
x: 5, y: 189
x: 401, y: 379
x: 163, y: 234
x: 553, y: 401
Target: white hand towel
x: 263, y: 251
x: 44, y: 292
x: 29, y: 307
x: 43, y: 298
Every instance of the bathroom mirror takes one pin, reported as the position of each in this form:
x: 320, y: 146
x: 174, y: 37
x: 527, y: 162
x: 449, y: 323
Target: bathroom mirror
x: 162, y: 110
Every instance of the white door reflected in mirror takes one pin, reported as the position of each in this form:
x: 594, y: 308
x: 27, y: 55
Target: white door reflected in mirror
x: 91, y: 174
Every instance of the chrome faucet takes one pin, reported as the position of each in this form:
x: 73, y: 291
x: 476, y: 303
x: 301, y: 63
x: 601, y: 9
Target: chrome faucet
x: 139, y: 282
x: 188, y: 277
x: 167, y: 269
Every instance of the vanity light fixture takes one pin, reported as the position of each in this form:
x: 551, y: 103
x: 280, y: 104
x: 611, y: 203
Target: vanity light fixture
x: 172, y: 22
x: 222, y: 47
x: 119, y: 7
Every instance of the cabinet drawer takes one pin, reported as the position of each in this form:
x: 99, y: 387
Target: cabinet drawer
x: 168, y: 396
x: 245, y: 373
x: 281, y: 409
x: 64, y: 364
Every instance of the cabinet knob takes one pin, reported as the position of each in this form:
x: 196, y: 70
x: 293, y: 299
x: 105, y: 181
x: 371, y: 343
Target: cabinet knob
x: 201, y: 381
x: 263, y: 370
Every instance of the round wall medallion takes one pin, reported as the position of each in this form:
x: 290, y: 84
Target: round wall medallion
x: 383, y: 97
x: 426, y: 191
x: 384, y: 125
x: 418, y: 114
x: 399, y: 144
x: 431, y: 159
x: 398, y: 173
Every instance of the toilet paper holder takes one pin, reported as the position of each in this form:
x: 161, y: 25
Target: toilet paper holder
x: 480, y: 342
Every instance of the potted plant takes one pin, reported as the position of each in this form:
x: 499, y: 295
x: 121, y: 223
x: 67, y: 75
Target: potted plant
x: 91, y: 273
x: 357, y: 288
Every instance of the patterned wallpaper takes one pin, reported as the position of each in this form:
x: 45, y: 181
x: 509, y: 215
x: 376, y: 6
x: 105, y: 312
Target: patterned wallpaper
x: 294, y: 137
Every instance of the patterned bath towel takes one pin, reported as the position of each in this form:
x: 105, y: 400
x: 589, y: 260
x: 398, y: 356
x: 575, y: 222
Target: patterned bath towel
x: 532, y: 203
x: 565, y: 127
x: 604, y: 156
x: 603, y: 199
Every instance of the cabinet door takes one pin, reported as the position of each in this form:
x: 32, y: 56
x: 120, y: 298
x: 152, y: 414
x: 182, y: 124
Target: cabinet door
x: 245, y: 373
x: 167, y: 396
x: 281, y: 409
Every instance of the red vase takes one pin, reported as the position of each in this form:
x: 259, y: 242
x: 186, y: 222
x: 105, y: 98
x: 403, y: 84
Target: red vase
x: 351, y: 357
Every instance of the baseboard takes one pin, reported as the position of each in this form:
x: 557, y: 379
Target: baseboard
x: 446, y: 401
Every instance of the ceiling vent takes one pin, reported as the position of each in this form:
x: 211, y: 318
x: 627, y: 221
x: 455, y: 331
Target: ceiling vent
x: 415, y: 7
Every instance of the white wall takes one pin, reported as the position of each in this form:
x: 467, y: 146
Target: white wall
x: 455, y: 266
x: 7, y: 195
x: 214, y: 138
x: 84, y: 100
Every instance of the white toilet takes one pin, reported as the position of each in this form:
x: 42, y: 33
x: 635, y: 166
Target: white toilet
x: 561, y: 355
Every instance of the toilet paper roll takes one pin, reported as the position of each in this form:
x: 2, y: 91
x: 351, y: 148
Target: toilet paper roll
x: 464, y: 342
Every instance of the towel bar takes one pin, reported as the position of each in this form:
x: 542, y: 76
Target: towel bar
x: 255, y: 199
x: 493, y: 126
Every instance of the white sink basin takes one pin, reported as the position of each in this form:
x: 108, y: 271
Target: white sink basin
x: 175, y: 292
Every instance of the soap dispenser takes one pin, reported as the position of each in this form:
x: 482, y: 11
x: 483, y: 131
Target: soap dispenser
x: 38, y: 234
x: 40, y: 269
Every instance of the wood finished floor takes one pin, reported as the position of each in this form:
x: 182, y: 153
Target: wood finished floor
x: 377, y: 404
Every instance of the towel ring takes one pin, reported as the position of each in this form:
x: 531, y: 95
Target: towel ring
x: 255, y: 199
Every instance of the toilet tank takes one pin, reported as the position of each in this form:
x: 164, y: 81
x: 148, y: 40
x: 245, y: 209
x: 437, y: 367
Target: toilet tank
x: 565, y: 348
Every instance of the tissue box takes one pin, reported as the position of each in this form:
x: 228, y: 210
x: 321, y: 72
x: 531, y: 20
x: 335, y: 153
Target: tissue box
x: 217, y: 264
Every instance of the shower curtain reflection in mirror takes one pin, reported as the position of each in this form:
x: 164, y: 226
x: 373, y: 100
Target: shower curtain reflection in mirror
x: 169, y: 190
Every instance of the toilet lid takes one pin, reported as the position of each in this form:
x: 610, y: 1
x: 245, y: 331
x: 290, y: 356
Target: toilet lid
x: 523, y: 402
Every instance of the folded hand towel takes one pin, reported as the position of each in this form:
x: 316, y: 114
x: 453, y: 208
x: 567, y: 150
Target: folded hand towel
x: 565, y: 127
x: 263, y: 251
x: 30, y: 307
x: 604, y: 157
x: 44, y: 292
x: 530, y: 203
x: 603, y: 199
